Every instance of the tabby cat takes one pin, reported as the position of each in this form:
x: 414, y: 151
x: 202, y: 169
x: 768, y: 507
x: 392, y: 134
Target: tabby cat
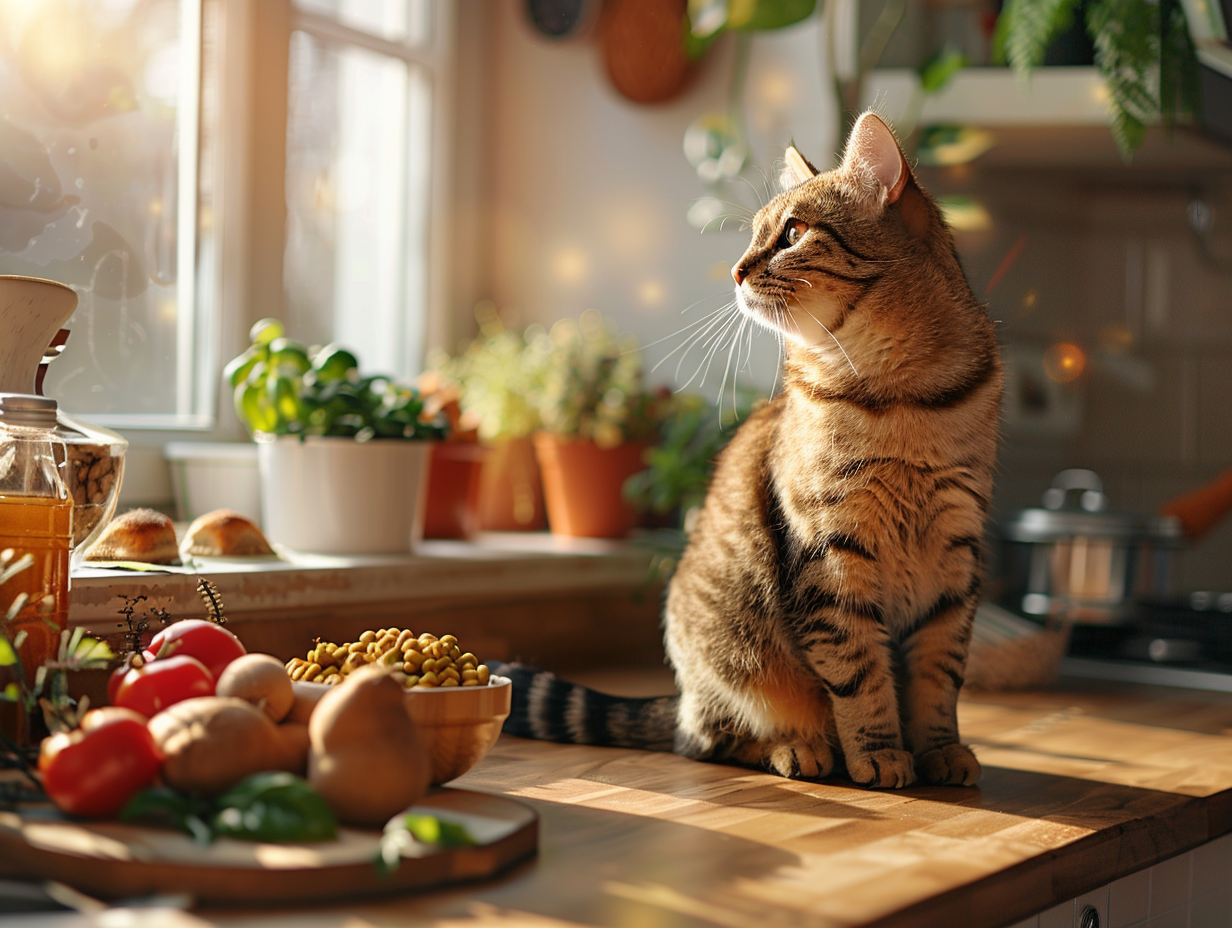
x: 820, y: 615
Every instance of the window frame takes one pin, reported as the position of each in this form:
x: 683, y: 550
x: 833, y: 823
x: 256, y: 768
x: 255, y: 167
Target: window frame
x: 248, y: 229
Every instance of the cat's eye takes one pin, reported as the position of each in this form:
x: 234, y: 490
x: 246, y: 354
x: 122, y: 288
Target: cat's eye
x: 792, y: 233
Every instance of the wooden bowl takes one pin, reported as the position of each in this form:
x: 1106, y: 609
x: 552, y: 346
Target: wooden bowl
x: 459, y: 724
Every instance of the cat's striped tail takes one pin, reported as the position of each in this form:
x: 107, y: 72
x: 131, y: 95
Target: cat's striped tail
x: 547, y: 708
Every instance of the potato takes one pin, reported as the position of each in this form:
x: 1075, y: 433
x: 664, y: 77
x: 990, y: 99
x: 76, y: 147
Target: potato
x: 293, y: 747
x: 213, y: 742
x: 261, y: 680
x: 366, y: 759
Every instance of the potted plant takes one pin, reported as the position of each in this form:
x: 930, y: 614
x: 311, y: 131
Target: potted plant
x: 691, y: 433
x: 456, y: 465
x: 343, y: 458
x: 498, y: 374
x: 597, y: 420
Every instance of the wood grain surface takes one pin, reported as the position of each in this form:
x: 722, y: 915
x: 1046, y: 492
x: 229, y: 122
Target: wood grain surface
x: 1082, y: 784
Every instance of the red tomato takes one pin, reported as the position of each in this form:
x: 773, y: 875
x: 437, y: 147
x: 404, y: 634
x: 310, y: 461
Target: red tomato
x: 155, y: 685
x: 211, y: 644
x: 117, y: 675
x: 94, y: 770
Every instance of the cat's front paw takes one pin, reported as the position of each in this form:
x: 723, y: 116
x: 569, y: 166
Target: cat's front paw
x: 884, y: 769
x: 949, y: 765
x: 799, y: 761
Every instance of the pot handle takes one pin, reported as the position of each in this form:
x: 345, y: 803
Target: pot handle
x: 1076, y: 480
x: 1201, y: 509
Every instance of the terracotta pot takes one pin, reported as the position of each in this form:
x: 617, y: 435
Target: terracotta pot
x: 583, y: 486
x: 452, y: 505
x: 510, y: 488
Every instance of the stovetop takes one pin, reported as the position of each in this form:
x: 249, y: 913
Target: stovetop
x: 1183, y: 643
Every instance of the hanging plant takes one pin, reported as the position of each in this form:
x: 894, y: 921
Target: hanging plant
x: 1143, y: 50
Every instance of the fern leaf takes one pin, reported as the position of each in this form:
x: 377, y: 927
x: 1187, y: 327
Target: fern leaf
x: 1127, y: 52
x: 1026, y: 28
x: 1180, y: 78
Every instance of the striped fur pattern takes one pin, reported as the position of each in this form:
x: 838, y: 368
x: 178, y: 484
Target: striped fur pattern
x: 547, y: 708
x: 818, y: 621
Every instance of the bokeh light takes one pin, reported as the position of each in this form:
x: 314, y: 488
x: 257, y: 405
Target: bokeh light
x: 1064, y: 362
x: 570, y: 265
x: 651, y: 292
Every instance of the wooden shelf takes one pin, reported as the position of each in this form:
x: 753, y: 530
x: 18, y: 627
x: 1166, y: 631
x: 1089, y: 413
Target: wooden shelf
x: 1057, y: 120
x: 996, y: 97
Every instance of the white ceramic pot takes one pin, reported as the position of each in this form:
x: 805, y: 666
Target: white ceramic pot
x: 341, y: 496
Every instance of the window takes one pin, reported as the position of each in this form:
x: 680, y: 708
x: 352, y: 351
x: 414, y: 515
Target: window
x: 97, y: 190
x: 190, y: 166
x: 359, y: 122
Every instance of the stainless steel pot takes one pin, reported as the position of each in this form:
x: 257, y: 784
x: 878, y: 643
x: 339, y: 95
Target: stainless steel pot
x: 1074, y: 558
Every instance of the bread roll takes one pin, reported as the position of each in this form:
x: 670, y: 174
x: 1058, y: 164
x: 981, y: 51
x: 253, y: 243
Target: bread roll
x: 138, y: 535
x: 224, y: 533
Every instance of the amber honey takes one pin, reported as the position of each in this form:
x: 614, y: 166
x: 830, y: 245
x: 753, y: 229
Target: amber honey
x: 41, y: 527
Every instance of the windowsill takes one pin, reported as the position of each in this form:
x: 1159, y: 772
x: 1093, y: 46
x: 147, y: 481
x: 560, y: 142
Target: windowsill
x: 493, y: 566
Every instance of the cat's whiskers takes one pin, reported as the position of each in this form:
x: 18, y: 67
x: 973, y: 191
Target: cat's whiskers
x: 748, y: 212
x: 704, y: 336
x: 746, y: 223
x: 760, y: 199
x: 740, y: 212
x: 713, y: 344
x: 745, y: 331
x: 685, y: 328
x: 778, y: 367
x: 727, y: 367
x: 850, y: 363
x: 765, y: 182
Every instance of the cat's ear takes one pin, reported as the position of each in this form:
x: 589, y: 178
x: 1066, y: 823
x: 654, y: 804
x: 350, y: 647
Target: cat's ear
x: 873, y: 152
x: 797, y: 171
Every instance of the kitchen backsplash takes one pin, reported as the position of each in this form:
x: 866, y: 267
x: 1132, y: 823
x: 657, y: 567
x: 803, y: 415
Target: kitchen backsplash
x: 1116, y: 320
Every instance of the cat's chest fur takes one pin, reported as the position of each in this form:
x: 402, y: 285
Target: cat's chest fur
x: 890, y: 503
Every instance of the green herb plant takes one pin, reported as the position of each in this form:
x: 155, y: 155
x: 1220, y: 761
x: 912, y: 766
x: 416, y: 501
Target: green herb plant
x: 498, y: 375
x: 592, y: 386
x: 48, y: 691
x: 281, y: 387
x: 692, y: 431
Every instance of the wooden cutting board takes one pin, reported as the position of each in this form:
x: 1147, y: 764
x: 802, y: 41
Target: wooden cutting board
x: 112, y: 860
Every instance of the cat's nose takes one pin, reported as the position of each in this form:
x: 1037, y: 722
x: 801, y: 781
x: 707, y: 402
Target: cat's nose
x: 738, y: 274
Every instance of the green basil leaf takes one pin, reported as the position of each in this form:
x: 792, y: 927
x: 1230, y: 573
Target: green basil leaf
x: 161, y: 807
x: 432, y: 830
x: 274, y: 807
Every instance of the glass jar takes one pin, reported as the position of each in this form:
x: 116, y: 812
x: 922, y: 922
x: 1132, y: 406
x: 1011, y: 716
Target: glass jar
x: 93, y: 468
x: 36, y: 518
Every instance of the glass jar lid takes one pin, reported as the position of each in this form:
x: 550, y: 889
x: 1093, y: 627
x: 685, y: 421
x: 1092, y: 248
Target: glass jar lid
x: 28, y: 410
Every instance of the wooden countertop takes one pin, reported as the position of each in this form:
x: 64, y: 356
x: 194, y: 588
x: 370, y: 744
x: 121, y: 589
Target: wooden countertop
x: 1082, y: 785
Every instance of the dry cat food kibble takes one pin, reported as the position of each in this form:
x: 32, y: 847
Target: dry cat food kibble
x: 422, y: 660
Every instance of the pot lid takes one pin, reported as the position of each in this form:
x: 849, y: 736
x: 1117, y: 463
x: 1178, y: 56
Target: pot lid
x: 1074, y: 507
